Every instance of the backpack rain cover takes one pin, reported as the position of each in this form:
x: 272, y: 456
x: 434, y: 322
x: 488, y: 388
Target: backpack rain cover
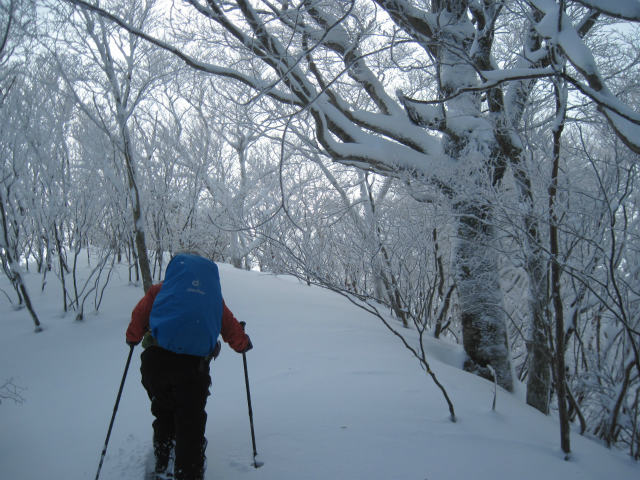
x: 186, y: 316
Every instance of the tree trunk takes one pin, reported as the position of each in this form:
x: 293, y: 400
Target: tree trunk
x: 484, y: 330
x: 143, y: 258
x: 138, y: 221
x: 556, y: 271
x: 539, y: 375
x: 14, y: 268
x: 62, y: 265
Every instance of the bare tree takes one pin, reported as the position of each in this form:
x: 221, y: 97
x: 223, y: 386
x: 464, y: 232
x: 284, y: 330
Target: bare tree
x: 111, y: 101
x: 12, y: 23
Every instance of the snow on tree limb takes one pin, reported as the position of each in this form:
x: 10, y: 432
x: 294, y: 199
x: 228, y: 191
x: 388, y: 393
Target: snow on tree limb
x: 369, y: 151
x: 558, y: 29
x: 188, y: 59
x: 380, y: 142
x: 628, y: 132
x: 622, y: 9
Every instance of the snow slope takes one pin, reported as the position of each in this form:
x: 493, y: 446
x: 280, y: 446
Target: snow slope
x: 335, y: 396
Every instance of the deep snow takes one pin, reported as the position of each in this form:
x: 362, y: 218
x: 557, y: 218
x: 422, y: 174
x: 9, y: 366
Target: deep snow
x: 335, y: 396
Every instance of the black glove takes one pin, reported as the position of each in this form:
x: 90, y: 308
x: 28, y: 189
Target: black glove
x: 249, y: 345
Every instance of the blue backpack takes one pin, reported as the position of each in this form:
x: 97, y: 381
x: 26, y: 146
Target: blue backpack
x: 186, y: 316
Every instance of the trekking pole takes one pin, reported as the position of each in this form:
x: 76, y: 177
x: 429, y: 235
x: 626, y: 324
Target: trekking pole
x: 256, y: 462
x: 115, y: 409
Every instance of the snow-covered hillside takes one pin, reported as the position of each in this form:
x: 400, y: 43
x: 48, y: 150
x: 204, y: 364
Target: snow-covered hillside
x: 335, y: 396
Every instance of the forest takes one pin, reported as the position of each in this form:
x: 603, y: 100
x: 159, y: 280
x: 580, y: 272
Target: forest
x: 463, y: 169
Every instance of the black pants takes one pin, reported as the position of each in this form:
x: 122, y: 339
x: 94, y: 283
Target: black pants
x: 178, y: 386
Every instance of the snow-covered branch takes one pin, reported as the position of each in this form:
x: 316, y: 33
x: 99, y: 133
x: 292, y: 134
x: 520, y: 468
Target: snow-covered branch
x: 623, y: 9
x: 188, y: 59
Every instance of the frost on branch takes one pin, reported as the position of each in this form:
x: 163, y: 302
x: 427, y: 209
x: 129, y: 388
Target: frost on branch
x: 422, y: 114
x: 558, y: 29
x: 624, y: 9
x: 11, y: 391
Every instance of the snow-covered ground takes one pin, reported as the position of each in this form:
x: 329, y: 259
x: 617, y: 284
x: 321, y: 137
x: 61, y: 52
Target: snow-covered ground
x: 335, y: 396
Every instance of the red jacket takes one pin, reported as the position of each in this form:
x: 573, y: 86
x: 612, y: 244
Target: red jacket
x: 231, y: 331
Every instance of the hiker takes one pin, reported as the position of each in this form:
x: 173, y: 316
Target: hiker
x: 178, y: 322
